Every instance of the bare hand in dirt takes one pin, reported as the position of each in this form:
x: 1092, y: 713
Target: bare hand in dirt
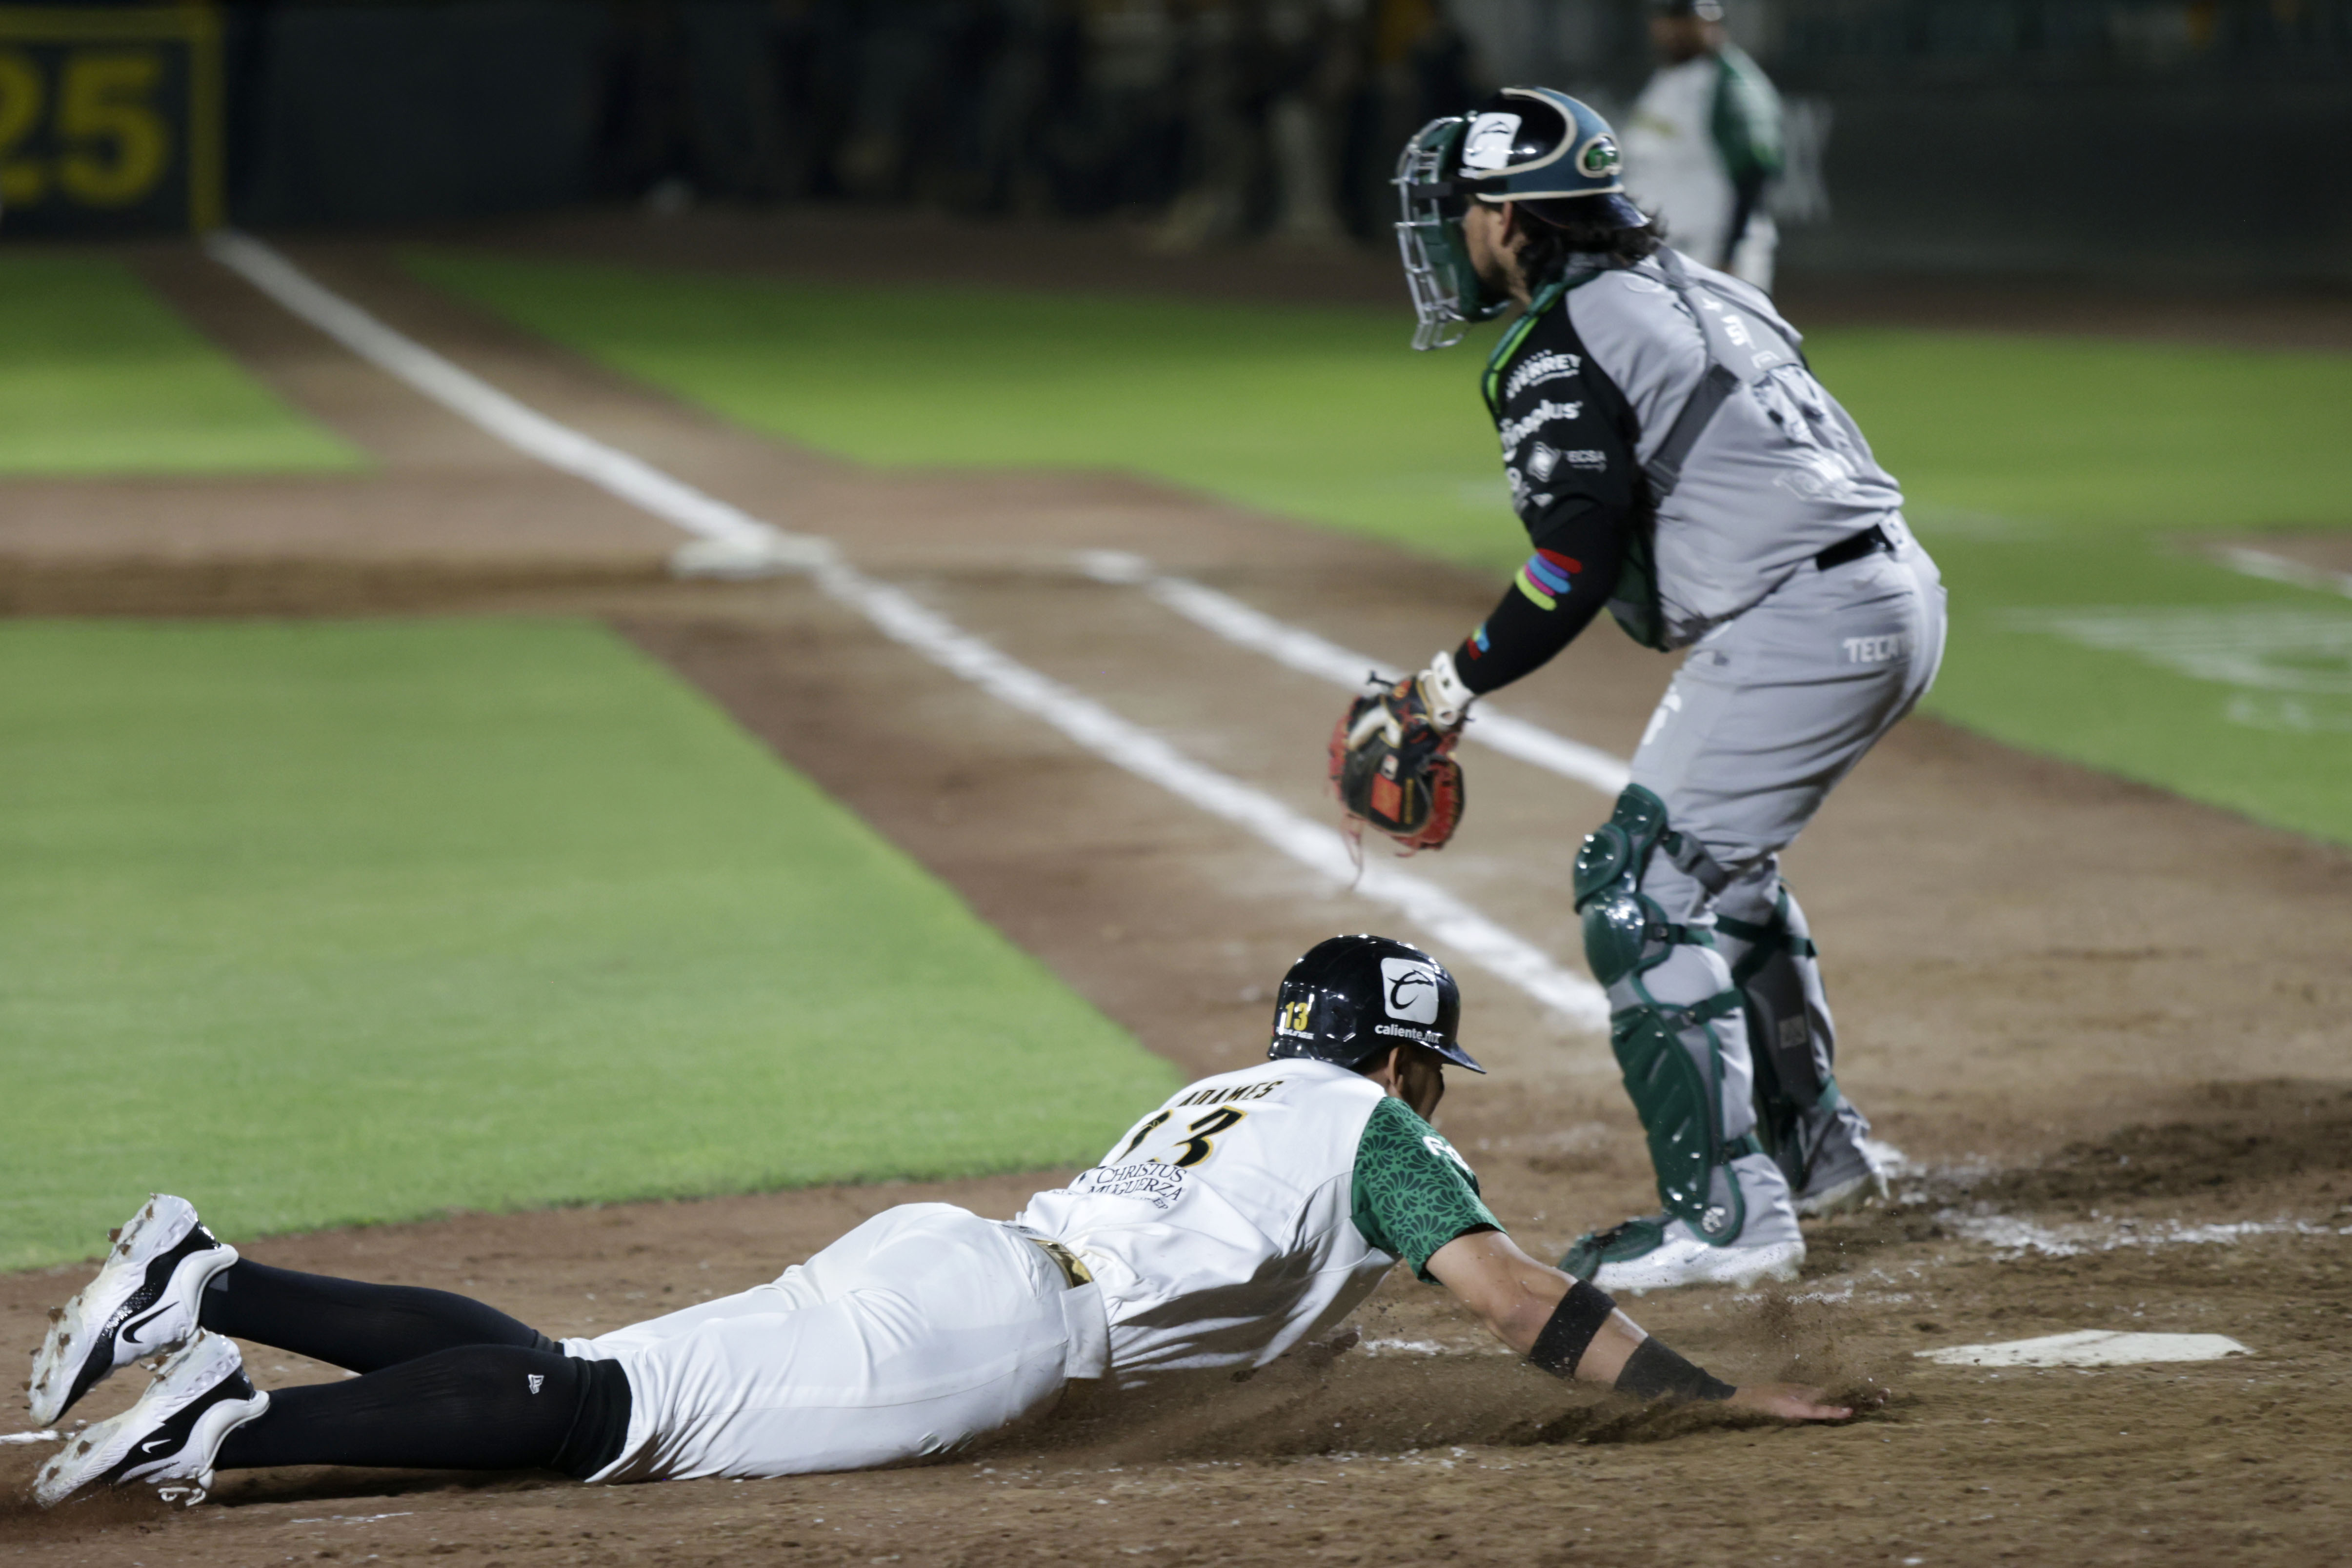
x: 1789, y: 1401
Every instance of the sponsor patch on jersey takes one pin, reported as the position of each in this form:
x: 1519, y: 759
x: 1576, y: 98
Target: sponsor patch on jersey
x: 1409, y: 991
x: 1589, y: 459
x: 1515, y: 431
x: 1488, y: 144
x: 1154, y: 1182
x: 1878, y: 650
x: 1536, y: 369
x: 1526, y: 499
x: 1541, y: 461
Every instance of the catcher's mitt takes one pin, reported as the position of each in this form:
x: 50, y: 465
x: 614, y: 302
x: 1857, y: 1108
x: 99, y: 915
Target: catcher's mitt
x: 1394, y: 768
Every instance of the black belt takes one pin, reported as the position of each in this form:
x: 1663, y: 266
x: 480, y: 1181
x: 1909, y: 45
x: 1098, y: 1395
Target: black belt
x: 1869, y: 541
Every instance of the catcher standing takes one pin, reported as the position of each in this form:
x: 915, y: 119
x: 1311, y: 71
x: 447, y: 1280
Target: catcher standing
x: 1672, y: 457
x: 1243, y: 1215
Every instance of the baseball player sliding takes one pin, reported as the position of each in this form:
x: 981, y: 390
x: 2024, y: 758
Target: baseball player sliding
x: 1247, y: 1213
x: 1672, y: 457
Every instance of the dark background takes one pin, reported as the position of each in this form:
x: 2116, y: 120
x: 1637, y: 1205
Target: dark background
x: 2117, y: 138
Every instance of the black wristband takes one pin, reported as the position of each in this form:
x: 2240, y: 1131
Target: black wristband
x: 1571, y: 1328
x: 1653, y: 1371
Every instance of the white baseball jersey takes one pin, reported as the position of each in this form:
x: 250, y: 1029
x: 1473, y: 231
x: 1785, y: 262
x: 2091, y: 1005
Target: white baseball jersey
x: 1252, y: 1210
x: 1676, y: 166
x: 1248, y: 1212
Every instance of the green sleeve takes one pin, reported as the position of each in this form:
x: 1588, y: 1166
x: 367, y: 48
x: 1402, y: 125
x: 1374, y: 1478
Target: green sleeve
x: 1412, y: 1193
x: 1746, y: 120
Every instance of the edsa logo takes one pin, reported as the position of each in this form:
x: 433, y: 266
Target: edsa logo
x: 109, y: 119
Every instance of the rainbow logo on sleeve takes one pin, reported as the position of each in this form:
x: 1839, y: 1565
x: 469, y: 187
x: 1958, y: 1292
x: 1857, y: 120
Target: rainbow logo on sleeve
x: 1546, y: 576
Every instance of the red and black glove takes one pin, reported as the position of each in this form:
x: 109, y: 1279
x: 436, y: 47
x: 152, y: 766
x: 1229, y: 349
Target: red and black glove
x: 1391, y: 757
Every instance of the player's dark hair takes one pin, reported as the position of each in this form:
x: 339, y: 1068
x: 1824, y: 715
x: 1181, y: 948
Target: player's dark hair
x: 1552, y: 232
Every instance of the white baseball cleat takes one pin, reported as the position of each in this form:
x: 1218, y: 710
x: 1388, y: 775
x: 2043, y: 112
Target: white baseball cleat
x: 1661, y: 1253
x: 170, y: 1438
x: 142, y: 1303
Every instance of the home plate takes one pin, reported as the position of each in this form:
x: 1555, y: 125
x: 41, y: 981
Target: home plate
x: 2090, y: 1347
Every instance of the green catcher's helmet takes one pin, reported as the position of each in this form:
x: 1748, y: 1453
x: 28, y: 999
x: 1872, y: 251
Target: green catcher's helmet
x: 1526, y: 144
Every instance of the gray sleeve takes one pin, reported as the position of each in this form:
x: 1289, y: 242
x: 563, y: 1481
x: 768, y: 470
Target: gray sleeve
x: 1646, y: 344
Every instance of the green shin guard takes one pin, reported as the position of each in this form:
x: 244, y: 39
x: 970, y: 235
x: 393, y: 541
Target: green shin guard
x: 1660, y: 1047
x: 1677, y: 1104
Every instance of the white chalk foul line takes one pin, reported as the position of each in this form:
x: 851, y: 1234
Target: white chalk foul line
x: 737, y: 536
x: 2281, y: 569
x: 729, y: 536
x: 1252, y: 628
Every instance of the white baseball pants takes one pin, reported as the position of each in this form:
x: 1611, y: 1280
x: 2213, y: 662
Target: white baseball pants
x: 921, y: 1329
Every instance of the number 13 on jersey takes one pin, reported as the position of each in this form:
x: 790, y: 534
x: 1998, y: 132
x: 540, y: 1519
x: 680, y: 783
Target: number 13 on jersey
x: 1168, y: 1141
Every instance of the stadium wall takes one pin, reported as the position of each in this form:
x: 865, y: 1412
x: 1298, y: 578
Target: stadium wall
x: 2137, y: 137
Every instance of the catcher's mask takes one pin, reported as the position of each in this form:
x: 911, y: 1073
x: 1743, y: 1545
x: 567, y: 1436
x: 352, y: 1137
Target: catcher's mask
x: 1352, y: 999
x: 1525, y: 144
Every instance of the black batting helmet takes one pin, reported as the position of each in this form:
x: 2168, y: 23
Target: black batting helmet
x: 1351, y: 999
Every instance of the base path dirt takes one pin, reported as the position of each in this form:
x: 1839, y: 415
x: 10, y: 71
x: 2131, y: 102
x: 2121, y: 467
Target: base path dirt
x: 2107, y: 1027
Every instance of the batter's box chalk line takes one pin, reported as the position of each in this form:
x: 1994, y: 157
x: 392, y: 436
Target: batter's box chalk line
x: 2282, y: 569
x: 2089, y: 1347
x: 28, y: 1437
x: 2251, y: 648
x: 2013, y: 1237
x: 731, y: 541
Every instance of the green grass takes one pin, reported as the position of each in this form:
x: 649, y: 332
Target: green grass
x: 98, y: 376
x: 1320, y: 413
x: 322, y: 922
x: 2090, y: 437
x: 2057, y: 482
x: 2045, y: 473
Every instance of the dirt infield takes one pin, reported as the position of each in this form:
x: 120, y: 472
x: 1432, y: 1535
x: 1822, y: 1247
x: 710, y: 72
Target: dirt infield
x: 2107, y: 1026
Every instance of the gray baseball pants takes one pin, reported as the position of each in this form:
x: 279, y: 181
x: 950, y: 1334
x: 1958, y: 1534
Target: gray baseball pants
x: 1769, y: 712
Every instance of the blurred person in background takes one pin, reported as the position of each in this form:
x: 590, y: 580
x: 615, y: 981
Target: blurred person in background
x: 1703, y: 143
